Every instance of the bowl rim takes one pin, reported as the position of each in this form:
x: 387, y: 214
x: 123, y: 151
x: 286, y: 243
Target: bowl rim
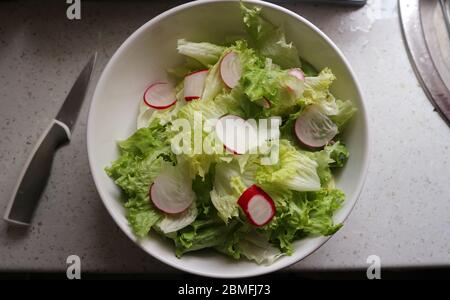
x: 89, y: 134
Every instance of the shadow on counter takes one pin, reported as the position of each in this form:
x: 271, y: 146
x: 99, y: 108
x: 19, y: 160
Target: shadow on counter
x: 427, y: 273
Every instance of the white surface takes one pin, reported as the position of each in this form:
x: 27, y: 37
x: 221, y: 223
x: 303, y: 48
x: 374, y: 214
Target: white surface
x: 403, y: 214
x: 145, y: 56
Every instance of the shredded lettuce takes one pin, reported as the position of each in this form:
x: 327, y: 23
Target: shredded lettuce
x: 317, y: 87
x: 142, y: 216
x: 301, y: 214
x: 229, y: 183
x: 339, y: 153
x: 295, y: 170
x: 251, y: 244
x: 268, y: 39
x: 206, y: 53
x: 264, y: 80
x: 202, y: 234
x: 300, y: 182
x: 190, y: 65
x: 142, y: 157
x: 174, y: 222
x: 213, y: 83
x: 346, y: 110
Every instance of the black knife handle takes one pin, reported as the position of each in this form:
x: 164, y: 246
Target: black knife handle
x: 34, y: 176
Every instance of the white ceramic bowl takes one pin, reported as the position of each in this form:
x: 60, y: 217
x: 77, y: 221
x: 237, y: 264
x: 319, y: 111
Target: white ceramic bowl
x: 145, y: 56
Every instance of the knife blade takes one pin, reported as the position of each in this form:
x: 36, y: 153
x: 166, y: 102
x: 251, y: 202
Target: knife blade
x: 34, y: 176
x: 68, y: 113
x: 421, y: 60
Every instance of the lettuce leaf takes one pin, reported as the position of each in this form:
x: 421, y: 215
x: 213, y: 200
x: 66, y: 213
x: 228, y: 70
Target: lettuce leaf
x: 213, y: 83
x: 317, y: 90
x: 202, y: 188
x: 318, y: 87
x: 199, y: 163
x: 301, y: 214
x: 266, y: 80
x: 339, y: 153
x: 321, y: 207
x: 323, y: 160
x: 268, y: 39
x: 255, y: 246
x: 346, y: 110
x: 301, y: 183
x: 229, y: 184
x: 202, y: 234
x: 295, y: 170
x: 141, y: 216
x: 206, y: 53
x: 174, y: 222
x: 251, y: 244
x: 190, y: 65
x: 142, y: 156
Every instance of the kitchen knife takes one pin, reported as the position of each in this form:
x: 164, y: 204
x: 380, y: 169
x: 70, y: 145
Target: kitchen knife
x: 34, y: 176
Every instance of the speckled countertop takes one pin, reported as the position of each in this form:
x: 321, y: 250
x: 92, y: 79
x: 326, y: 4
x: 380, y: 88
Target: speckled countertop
x: 403, y: 214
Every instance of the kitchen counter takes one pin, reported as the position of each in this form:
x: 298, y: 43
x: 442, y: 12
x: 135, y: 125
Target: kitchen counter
x: 402, y: 215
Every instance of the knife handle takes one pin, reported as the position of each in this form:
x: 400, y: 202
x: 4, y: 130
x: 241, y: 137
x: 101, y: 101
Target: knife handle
x: 34, y: 175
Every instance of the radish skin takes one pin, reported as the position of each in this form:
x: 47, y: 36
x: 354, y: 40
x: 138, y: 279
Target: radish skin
x: 297, y: 73
x: 194, y: 84
x: 160, y: 95
x: 257, y: 205
x: 231, y: 69
x: 313, y: 128
x: 171, y: 191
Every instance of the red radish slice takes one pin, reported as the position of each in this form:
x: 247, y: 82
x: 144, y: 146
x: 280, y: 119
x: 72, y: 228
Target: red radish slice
x: 257, y: 205
x: 297, y: 73
x: 264, y: 103
x: 160, y: 95
x: 236, y: 134
x: 194, y: 84
x: 171, y: 192
x: 231, y: 69
x: 313, y: 128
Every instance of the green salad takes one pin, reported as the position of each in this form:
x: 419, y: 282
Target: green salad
x: 247, y: 190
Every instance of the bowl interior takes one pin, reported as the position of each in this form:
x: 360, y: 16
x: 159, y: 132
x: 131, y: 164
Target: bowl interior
x: 145, y: 56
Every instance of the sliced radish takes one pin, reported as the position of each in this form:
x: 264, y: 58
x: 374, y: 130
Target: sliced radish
x: 313, y: 128
x: 171, y: 192
x: 264, y: 103
x: 160, y: 95
x: 231, y: 69
x: 297, y: 73
x: 194, y: 84
x: 294, y: 87
x: 236, y: 134
x: 257, y: 205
